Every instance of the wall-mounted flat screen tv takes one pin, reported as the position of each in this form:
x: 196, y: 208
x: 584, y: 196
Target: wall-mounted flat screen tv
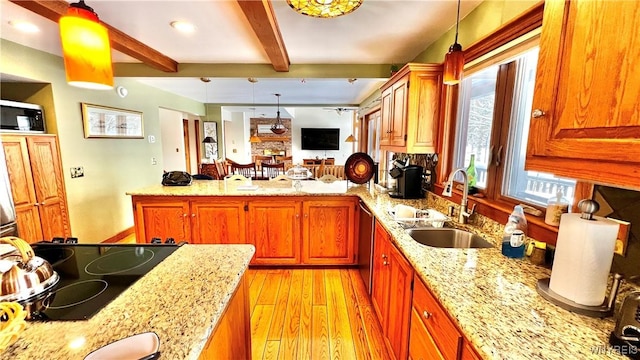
x: 320, y: 139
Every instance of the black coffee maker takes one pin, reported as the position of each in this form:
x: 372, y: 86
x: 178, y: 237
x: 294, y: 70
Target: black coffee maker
x: 409, y: 182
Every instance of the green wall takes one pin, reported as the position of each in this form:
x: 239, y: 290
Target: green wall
x: 98, y: 205
x: 483, y: 20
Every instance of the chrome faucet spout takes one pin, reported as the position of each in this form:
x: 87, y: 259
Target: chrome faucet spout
x: 448, y: 186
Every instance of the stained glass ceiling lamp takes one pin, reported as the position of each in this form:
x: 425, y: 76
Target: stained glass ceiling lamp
x: 86, y: 48
x: 278, y: 126
x: 454, y: 59
x: 324, y: 8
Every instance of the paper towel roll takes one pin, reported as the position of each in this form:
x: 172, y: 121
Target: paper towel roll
x: 584, y: 253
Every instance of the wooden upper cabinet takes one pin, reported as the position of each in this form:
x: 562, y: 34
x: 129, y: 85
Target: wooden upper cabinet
x: 162, y: 218
x: 412, y: 109
x: 328, y: 236
x: 37, y: 186
x: 218, y: 222
x: 274, y: 229
x: 586, y: 118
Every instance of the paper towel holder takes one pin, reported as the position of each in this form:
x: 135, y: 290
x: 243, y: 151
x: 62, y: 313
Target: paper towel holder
x: 604, y: 310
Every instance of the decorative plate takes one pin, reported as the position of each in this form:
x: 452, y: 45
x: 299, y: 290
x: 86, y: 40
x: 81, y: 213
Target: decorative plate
x: 359, y: 168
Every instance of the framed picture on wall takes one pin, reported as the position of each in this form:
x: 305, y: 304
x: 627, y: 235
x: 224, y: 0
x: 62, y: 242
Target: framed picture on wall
x: 107, y: 122
x: 211, y: 149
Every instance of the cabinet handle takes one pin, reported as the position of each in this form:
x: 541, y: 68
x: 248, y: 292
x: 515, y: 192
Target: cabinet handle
x: 306, y: 215
x: 537, y: 113
x: 193, y: 215
x: 426, y: 314
x: 384, y: 256
x: 184, y: 215
x: 36, y: 204
x: 385, y: 263
x: 297, y: 216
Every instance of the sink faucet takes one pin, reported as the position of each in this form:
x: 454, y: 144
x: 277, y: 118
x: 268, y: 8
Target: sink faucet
x: 463, y: 215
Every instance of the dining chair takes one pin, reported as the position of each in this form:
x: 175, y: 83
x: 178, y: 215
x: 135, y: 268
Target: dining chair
x: 246, y: 170
x: 272, y: 170
x: 222, y: 169
x: 261, y: 159
x: 330, y: 161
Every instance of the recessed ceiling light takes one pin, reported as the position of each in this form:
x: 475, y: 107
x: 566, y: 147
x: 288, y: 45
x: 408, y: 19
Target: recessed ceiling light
x: 183, y: 26
x: 24, y: 26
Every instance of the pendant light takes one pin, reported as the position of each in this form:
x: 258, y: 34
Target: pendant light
x: 454, y: 59
x: 324, y: 8
x: 254, y: 138
x: 350, y: 139
x: 278, y: 126
x: 86, y: 48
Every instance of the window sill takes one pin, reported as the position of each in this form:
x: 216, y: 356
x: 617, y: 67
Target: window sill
x: 500, y: 211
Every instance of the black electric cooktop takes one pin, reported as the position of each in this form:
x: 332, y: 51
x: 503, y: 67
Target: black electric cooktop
x: 91, y: 275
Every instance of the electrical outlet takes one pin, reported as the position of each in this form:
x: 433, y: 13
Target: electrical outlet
x: 623, y: 236
x: 77, y: 172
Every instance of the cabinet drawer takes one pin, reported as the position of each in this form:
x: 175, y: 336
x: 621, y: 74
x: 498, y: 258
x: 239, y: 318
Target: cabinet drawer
x: 435, y: 319
x: 421, y: 345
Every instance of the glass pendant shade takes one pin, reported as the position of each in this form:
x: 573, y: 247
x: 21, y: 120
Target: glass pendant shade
x: 324, y: 8
x: 254, y: 138
x: 350, y: 139
x: 86, y: 49
x: 453, y: 65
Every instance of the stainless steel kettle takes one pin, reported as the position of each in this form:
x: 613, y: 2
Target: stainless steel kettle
x: 628, y: 324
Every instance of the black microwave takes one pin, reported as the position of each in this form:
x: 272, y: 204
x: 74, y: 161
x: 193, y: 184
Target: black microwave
x: 21, y: 117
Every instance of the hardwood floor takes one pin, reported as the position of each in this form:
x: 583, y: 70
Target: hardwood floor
x: 312, y: 314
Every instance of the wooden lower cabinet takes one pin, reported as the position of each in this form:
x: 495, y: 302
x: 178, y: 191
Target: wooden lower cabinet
x: 325, y: 235
x: 435, y: 325
x: 274, y: 229
x: 37, y: 186
x: 231, y: 339
x: 218, y: 222
x: 468, y: 353
x: 391, y: 293
x: 329, y: 236
x: 162, y: 218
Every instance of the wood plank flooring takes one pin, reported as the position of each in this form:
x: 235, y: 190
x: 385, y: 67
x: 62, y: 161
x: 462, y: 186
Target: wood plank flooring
x: 312, y: 314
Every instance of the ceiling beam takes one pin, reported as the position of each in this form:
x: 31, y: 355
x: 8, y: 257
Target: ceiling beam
x: 54, y: 9
x: 263, y: 21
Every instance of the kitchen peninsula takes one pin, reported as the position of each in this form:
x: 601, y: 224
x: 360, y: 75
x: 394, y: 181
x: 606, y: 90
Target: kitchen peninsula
x: 490, y: 300
x: 188, y: 300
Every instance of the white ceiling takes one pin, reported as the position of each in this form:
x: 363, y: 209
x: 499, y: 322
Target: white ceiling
x: 379, y: 32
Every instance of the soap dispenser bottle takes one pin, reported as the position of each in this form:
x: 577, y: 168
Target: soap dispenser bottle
x: 513, y: 239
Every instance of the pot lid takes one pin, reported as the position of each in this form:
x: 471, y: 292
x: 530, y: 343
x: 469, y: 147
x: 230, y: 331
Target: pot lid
x: 24, y: 275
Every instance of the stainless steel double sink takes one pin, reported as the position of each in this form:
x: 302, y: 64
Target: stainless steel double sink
x: 448, y: 238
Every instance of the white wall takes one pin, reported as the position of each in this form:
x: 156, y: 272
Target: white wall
x: 319, y: 118
x: 172, y: 140
x: 236, y: 138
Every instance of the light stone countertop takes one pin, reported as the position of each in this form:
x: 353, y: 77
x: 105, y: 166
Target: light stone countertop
x: 492, y: 298
x: 182, y: 300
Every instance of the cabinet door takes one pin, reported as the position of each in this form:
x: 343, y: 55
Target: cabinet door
x: 421, y: 344
x: 400, y: 278
x: 468, y: 353
x: 425, y: 106
x: 274, y: 229
x: 387, y: 111
x: 328, y: 235
x: 435, y: 318
x: 218, y: 222
x: 162, y: 219
x: 400, y: 95
x: 587, y: 87
x: 22, y: 188
x: 49, y: 186
x: 380, y: 289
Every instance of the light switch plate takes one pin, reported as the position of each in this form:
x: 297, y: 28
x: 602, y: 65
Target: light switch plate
x: 77, y: 172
